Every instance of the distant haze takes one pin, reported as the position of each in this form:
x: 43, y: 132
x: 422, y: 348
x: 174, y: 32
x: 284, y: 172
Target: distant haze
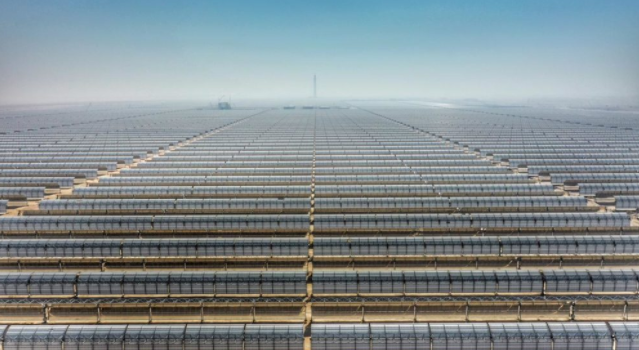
x: 104, y: 50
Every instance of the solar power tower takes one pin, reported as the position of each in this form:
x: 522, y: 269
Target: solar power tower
x: 384, y: 225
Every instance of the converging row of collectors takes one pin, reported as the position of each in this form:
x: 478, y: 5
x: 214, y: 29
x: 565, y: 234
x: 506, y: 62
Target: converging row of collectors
x: 550, y: 282
x: 329, y: 247
x: 422, y: 336
x: 321, y: 205
x: 301, y: 222
x: 21, y: 285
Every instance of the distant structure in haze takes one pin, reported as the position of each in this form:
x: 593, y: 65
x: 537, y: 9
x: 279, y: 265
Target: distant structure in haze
x: 223, y: 104
x: 314, y: 86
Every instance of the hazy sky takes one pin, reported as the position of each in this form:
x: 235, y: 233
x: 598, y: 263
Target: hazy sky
x: 94, y: 50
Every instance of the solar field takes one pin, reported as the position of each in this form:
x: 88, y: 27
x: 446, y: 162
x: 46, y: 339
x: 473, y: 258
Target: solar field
x: 372, y: 225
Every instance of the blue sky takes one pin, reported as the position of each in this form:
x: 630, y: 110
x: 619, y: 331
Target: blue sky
x: 64, y: 50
